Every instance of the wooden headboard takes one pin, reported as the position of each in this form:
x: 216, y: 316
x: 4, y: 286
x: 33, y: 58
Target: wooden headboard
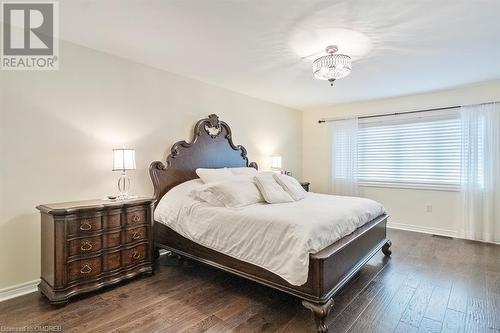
x: 211, y: 147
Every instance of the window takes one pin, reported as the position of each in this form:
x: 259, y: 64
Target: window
x: 421, y: 150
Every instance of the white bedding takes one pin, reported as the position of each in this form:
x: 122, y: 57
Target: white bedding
x: 277, y: 237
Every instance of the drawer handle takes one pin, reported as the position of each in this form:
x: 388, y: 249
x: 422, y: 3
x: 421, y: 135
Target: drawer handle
x: 136, y: 235
x: 86, y: 246
x: 86, y: 269
x: 136, y: 255
x: 136, y: 218
x: 85, y: 226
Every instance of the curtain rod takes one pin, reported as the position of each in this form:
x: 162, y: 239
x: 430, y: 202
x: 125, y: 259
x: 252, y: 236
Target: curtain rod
x: 389, y: 114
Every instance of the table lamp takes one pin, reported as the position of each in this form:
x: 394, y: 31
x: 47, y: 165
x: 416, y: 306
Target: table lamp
x: 123, y: 159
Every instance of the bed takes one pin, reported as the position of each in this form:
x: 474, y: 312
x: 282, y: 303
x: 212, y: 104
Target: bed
x: 329, y: 269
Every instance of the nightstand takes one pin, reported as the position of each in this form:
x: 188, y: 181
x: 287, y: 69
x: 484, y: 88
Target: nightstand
x: 305, y: 185
x: 87, y: 245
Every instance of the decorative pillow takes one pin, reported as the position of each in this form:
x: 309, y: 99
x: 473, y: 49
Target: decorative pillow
x: 233, y: 193
x: 271, y: 190
x: 214, y: 175
x: 291, y: 186
x: 244, y: 171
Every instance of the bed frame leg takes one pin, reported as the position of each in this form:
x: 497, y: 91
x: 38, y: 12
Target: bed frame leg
x: 386, y: 248
x: 156, y: 253
x: 320, y: 312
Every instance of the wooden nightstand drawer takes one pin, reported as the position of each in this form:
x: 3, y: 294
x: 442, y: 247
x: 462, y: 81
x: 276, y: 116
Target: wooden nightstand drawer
x: 111, y: 261
x: 134, y: 255
x: 84, y: 245
x: 112, y: 221
x: 84, y: 269
x: 136, y: 234
x: 84, y: 225
x: 112, y: 239
x: 135, y: 216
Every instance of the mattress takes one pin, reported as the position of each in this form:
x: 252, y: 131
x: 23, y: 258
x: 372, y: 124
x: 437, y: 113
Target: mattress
x: 276, y: 237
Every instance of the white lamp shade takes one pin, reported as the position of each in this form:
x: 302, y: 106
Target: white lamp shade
x: 276, y: 162
x: 123, y: 159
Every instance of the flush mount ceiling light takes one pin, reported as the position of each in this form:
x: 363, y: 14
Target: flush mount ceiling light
x: 332, y: 66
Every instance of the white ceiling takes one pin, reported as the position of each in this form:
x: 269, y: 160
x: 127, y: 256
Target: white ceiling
x: 255, y: 46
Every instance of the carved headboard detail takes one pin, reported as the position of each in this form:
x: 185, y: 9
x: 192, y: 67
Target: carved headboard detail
x: 211, y: 147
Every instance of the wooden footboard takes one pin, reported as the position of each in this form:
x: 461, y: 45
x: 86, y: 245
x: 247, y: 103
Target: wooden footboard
x: 339, y: 262
x: 329, y: 269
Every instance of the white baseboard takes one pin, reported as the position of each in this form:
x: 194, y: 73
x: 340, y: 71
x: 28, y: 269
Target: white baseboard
x: 425, y: 230
x: 18, y: 290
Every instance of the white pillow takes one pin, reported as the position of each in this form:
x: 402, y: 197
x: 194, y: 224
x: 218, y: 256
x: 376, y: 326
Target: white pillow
x: 232, y: 193
x: 271, y: 190
x: 244, y: 171
x: 291, y: 186
x: 214, y: 175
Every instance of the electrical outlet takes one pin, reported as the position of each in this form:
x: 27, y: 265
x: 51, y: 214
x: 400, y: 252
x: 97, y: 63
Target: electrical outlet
x: 428, y: 208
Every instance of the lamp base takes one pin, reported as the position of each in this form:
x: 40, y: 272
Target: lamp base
x: 123, y: 186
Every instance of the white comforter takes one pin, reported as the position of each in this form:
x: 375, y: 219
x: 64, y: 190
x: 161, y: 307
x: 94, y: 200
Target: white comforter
x: 277, y: 237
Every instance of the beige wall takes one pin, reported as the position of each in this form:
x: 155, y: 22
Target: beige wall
x: 57, y: 130
x: 408, y: 208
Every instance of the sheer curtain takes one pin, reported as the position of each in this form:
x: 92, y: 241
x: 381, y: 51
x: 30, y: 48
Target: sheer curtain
x: 480, y: 176
x: 344, y: 157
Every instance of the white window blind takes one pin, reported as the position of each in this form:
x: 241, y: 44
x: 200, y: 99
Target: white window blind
x: 421, y: 150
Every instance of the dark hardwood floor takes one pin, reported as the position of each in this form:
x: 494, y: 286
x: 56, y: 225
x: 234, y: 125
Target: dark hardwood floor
x: 431, y: 284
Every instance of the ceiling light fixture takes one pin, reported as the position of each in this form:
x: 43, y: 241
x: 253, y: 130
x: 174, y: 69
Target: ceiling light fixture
x: 332, y: 66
